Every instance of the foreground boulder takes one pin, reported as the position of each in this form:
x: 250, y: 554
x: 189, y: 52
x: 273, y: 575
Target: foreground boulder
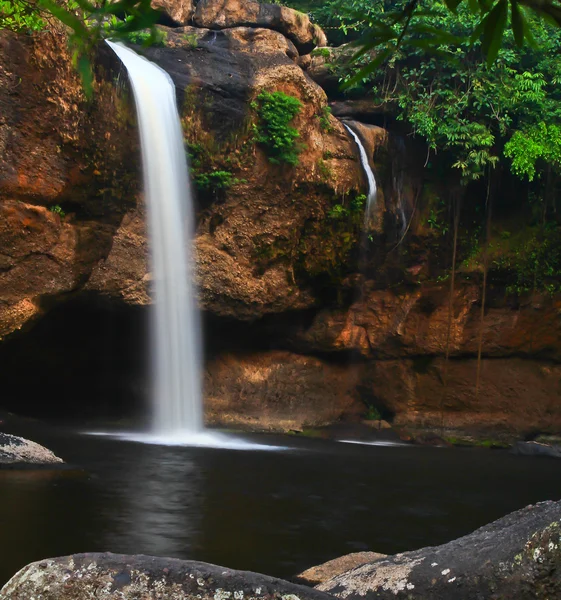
x: 112, y: 576
x: 518, y: 556
x: 17, y: 452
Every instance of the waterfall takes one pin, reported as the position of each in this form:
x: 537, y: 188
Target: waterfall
x: 372, y: 189
x: 175, y: 326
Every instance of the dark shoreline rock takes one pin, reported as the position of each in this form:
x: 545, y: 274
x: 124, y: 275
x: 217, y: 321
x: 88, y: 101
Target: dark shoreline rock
x: 107, y: 576
x: 516, y: 557
x: 536, y: 449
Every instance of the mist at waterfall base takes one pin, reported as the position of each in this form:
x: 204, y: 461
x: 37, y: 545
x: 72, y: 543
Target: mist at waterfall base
x: 372, y: 187
x: 176, y: 344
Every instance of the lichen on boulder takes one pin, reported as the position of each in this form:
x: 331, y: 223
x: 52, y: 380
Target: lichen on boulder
x: 518, y: 556
x: 110, y: 576
x: 17, y: 452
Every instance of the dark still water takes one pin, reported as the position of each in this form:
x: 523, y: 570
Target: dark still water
x: 272, y: 512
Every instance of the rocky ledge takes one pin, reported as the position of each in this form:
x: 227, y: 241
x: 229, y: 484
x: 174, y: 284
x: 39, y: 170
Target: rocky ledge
x: 17, y: 452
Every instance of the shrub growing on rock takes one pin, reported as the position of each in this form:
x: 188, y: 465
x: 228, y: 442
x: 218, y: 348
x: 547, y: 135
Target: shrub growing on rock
x: 275, y: 111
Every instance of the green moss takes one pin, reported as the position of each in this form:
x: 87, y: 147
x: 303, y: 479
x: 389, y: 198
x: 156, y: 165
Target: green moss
x: 324, y: 52
x: 275, y: 111
x: 324, y: 119
x: 147, y: 37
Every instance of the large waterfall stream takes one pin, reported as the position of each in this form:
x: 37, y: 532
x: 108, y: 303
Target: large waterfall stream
x: 372, y: 188
x: 176, y: 343
x: 176, y: 346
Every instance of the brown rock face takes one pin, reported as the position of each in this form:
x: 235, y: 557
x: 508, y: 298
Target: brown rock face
x: 278, y: 390
x: 178, y: 12
x: 55, y: 154
x: 515, y: 396
x: 296, y: 26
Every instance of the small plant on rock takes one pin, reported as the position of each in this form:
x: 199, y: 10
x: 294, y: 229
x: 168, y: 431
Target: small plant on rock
x: 373, y: 414
x: 276, y: 110
x: 324, y: 122
x: 216, y: 181
x: 57, y: 209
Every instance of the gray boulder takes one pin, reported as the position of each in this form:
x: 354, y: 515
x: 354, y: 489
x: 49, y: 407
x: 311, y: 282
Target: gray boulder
x: 517, y: 557
x: 117, y: 576
x: 17, y: 452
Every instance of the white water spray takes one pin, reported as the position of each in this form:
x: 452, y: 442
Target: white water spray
x: 372, y: 188
x: 176, y: 338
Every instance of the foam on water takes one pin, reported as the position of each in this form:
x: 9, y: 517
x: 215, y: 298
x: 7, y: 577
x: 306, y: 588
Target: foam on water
x: 375, y: 443
x: 205, y: 439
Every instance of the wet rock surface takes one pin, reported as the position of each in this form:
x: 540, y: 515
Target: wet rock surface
x: 516, y: 557
x: 17, y: 452
x: 111, y: 576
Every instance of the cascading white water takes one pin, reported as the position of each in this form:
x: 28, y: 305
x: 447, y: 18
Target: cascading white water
x: 176, y: 343
x: 372, y: 188
x: 176, y: 332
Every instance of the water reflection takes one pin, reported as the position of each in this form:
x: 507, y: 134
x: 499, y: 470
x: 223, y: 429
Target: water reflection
x: 160, y: 503
x: 271, y: 512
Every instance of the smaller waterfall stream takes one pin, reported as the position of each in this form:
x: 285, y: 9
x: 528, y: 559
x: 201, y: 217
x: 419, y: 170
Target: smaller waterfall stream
x: 372, y: 188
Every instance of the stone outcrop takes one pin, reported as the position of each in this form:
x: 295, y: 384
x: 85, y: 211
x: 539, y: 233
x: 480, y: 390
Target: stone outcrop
x: 62, y: 188
x: 246, y: 237
x: 294, y: 25
x: 110, y: 576
x: 518, y: 556
x: 175, y: 12
x: 17, y: 452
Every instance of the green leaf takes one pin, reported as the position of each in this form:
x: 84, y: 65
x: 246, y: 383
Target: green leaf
x: 66, y: 17
x: 85, y: 70
x: 368, y: 69
x: 518, y: 23
x: 495, y: 23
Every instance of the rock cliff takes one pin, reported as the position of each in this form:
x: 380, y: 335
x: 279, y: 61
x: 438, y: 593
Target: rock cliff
x: 308, y: 321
